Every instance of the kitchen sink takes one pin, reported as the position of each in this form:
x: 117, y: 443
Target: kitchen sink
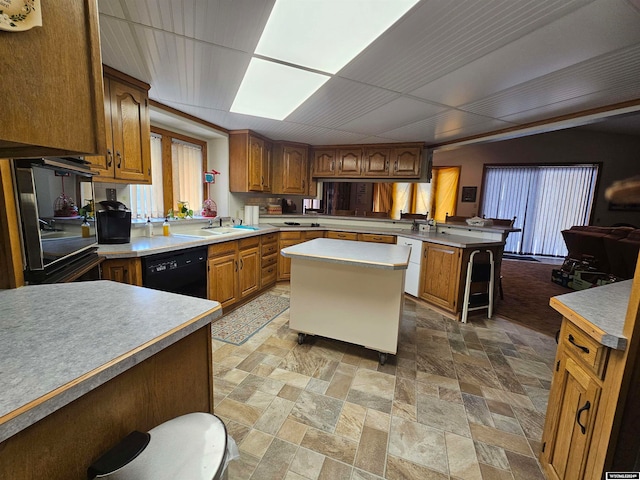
x: 220, y: 231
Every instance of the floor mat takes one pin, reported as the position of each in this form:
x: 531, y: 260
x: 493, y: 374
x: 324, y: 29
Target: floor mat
x: 240, y: 325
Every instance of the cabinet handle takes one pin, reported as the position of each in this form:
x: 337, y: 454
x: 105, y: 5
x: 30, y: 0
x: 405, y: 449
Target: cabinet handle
x: 119, y: 159
x: 573, y: 341
x: 262, y: 179
x: 332, y: 164
x: 303, y: 184
x: 557, y: 336
x: 395, y: 166
x: 386, y: 165
x: 236, y: 265
x: 109, y: 157
x: 241, y: 264
x: 585, y: 408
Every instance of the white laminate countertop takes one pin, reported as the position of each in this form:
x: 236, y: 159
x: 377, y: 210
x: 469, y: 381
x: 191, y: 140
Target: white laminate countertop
x: 361, y: 254
x: 142, y: 246
x: 599, y: 311
x: 60, y: 341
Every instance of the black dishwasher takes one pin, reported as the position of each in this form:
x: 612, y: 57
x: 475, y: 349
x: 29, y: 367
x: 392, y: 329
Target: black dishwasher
x: 182, y: 271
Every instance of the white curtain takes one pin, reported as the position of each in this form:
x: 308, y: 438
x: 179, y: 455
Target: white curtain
x: 147, y: 200
x: 544, y: 200
x: 187, y: 175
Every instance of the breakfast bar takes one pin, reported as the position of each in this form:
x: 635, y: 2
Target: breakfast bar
x: 349, y: 291
x: 84, y: 364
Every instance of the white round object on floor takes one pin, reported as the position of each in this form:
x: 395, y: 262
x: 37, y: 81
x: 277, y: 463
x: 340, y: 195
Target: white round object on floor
x: 189, y: 447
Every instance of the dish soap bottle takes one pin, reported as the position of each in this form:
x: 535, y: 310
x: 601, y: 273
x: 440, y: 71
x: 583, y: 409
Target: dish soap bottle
x: 148, y: 228
x: 165, y: 227
x: 86, y: 228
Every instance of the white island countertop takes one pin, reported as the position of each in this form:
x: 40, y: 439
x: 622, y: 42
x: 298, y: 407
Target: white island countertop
x: 599, y: 311
x: 363, y: 254
x: 60, y: 341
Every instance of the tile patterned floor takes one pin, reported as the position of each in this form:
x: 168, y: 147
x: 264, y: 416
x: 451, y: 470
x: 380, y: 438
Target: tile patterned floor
x: 459, y: 401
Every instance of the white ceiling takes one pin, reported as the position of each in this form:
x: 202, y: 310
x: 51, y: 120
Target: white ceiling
x: 445, y: 71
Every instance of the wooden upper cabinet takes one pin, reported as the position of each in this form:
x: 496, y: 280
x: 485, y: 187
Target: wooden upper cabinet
x: 291, y: 169
x: 384, y: 161
x: 349, y: 162
x: 375, y: 162
x: 406, y: 161
x: 324, y: 162
x: 128, y: 154
x: 52, y: 101
x: 249, y: 162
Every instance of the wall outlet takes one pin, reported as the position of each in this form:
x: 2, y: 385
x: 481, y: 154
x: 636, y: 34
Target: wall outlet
x: 111, y: 194
x: 425, y: 227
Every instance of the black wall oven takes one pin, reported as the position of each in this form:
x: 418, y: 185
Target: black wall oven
x: 55, y: 249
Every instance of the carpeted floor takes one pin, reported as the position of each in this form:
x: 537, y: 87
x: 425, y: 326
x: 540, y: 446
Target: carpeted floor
x: 242, y: 323
x: 527, y: 289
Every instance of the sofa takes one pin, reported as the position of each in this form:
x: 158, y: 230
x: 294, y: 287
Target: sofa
x: 612, y: 250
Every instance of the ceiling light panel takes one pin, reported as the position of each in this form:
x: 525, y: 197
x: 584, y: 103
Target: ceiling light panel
x: 325, y: 35
x: 273, y: 90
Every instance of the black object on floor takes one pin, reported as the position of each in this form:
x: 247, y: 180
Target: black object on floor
x: 511, y: 256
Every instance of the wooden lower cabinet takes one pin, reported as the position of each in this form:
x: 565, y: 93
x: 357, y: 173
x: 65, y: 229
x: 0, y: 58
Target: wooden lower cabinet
x: 233, y: 270
x: 440, y: 275
x: 287, y: 239
x: 269, y: 259
x: 249, y: 268
x: 123, y: 270
x: 574, y: 399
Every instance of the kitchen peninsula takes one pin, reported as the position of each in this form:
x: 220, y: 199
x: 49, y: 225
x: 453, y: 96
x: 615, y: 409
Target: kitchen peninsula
x: 84, y: 364
x: 365, y: 284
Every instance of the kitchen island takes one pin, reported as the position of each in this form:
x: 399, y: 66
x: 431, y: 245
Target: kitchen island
x: 83, y: 364
x: 349, y: 291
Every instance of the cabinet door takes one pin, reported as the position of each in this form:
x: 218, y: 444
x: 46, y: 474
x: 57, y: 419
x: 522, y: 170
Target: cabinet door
x: 103, y: 164
x: 249, y: 270
x: 223, y: 279
x: 294, y: 170
x: 349, y: 161
x: 406, y: 162
x: 123, y: 271
x: 130, y: 126
x: 440, y: 275
x: 256, y: 155
x: 376, y: 162
x: 576, y: 395
x: 267, y: 162
x: 324, y: 163
x: 284, y: 263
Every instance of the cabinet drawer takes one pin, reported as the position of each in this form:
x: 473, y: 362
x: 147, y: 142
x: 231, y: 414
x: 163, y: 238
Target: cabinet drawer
x: 584, y: 348
x: 269, y: 260
x: 269, y: 274
x: 310, y: 235
x: 216, y: 249
x: 269, y: 249
x: 297, y: 235
x: 249, y: 242
x: 371, y: 237
x: 343, y: 235
x: 269, y: 238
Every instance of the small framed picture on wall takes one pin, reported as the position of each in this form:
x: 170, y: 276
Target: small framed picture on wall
x: 469, y: 194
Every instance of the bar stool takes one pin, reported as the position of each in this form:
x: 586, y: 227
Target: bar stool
x: 478, y: 273
x: 192, y: 446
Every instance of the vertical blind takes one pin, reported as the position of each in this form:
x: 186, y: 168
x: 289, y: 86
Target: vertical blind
x: 544, y: 200
x: 147, y: 200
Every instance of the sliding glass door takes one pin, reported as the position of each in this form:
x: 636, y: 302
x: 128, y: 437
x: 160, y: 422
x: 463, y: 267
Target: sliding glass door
x: 544, y: 199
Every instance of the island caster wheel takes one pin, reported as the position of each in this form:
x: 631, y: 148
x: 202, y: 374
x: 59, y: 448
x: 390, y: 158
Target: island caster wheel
x: 382, y: 357
x: 301, y: 337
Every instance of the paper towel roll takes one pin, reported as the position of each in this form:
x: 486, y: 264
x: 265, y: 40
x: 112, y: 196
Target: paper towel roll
x: 248, y: 215
x: 256, y: 215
